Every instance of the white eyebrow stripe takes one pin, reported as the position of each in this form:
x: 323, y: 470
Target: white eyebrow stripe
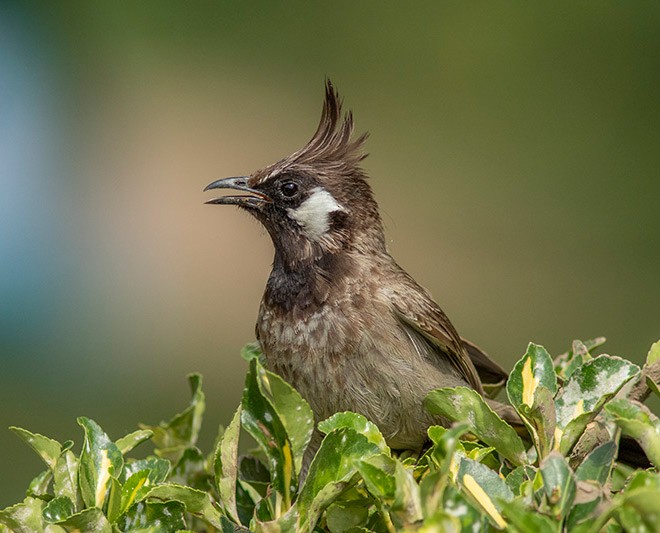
x: 313, y: 214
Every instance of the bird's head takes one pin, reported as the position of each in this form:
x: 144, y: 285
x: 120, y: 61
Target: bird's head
x: 317, y: 200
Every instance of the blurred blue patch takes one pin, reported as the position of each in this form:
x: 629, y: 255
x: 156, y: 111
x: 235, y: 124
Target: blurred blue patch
x: 33, y: 245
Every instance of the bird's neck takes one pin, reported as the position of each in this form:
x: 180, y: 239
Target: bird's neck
x: 305, y: 283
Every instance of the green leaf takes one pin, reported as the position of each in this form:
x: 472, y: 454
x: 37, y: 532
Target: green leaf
x: 24, y: 517
x: 588, y: 497
x: 580, y: 353
x: 643, y: 479
x: 38, y: 487
x: 113, y: 504
x: 471, y: 519
x: 522, y: 519
x: 261, y: 420
x: 534, y: 369
x: 466, y: 405
x: 295, y: 413
x: 252, y: 351
x: 638, y: 510
x: 517, y: 477
x: 344, y: 515
x: 157, y: 467
x: 134, y: 490
x: 190, y: 470
x: 407, y: 505
x: 584, y: 394
x: 558, y: 483
x: 445, y: 444
x: 331, y: 471
x: 130, y: 441
x: 654, y: 353
x: 65, y: 477
x: 598, y: 464
x: 48, y: 449
x: 541, y: 420
x: 174, y: 437
x: 155, y: 517
x: 638, y: 422
x: 357, y: 422
x: 485, y: 489
x: 225, y: 466
x: 377, y: 472
x: 91, y: 519
x: 58, y: 509
x: 196, y: 502
x: 99, y: 461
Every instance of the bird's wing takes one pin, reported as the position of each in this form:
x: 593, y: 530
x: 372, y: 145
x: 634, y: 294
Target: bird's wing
x: 493, y: 376
x: 424, y: 316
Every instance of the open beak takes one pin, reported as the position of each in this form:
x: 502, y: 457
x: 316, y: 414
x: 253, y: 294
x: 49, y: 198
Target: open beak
x: 255, y: 199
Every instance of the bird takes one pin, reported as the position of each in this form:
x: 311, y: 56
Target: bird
x: 340, y: 320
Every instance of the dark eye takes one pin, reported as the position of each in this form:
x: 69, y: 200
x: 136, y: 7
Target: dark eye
x: 289, y: 189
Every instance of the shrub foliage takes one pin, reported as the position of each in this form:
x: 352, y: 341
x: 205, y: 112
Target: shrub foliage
x: 558, y: 472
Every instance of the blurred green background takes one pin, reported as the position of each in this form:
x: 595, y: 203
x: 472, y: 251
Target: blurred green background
x: 514, y: 151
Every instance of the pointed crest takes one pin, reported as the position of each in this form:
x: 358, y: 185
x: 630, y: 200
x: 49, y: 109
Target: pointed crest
x: 331, y: 145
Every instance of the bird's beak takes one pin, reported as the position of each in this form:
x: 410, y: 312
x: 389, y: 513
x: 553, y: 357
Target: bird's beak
x: 255, y: 199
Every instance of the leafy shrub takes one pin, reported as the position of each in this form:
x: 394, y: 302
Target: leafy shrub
x: 478, y: 475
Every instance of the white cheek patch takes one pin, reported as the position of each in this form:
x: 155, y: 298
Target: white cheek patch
x: 313, y: 214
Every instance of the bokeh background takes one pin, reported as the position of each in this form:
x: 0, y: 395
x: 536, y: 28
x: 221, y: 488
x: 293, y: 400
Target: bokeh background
x: 514, y: 148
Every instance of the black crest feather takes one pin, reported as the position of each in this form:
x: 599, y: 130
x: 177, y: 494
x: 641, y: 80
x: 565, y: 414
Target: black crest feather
x: 331, y: 148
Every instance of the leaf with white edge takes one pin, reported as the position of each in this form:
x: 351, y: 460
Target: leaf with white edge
x: 330, y: 472
x: 65, y: 477
x: 463, y: 404
x: 172, y: 438
x: 225, y: 466
x: 197, y: 502
x: 130, y: 441
x: 593, y: 384
x: 558, y: 483
x: 378, y: 475
x: 598, y: 464
x: 100, y: 460
x: 568, y: 361
x: 654, y: 353
x: 88, y: 520
x: 190, y: 470
x: 155, y: 517
x: 157, y: 467
x: 357, y: 422
x: 585, y: 392
x: 38, y: 487
x: 261, y: 420
x: 58, y: 509
x: 638, y: 422
x: 24, y: 517
x: 134, y: 490
x: 407, y: 505
x: 485, y: 488
x: 293, y: 410
x: 48, y: 449
x: 540, y: 419
x: 534, y: 369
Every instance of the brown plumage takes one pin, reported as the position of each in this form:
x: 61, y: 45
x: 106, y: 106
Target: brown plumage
x: 340, y: 320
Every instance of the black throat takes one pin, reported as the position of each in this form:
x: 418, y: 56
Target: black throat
x: 306, y: 285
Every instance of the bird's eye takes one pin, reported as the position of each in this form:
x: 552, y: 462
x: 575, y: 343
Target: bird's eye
x: 289, y: 189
